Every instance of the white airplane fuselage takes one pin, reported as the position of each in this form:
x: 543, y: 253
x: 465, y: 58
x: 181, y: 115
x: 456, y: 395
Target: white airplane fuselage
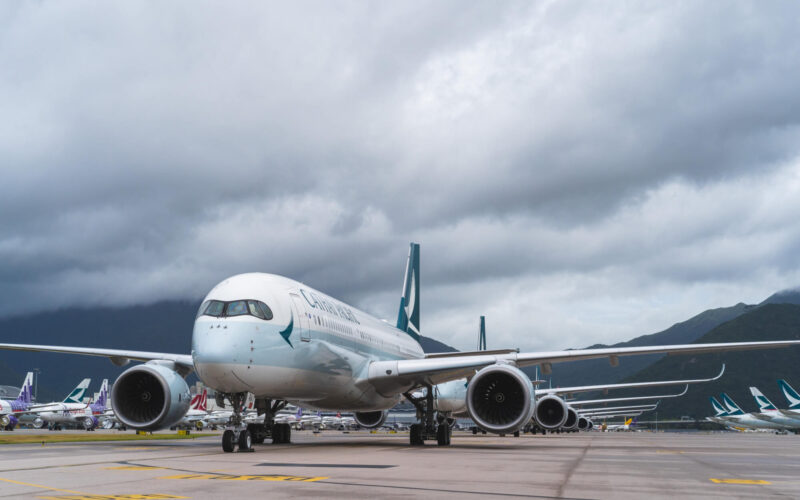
x: 315, y: 351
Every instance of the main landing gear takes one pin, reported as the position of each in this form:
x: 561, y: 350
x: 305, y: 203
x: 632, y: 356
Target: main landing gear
x: 243, y: 436
x: 432, y: 425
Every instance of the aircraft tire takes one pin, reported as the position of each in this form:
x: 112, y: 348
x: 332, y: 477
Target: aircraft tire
x: 228, y: 441
x: 245, y: 441
x: 415, y: 435
x: 516, y: 434
x: 474, y: 431
x: 287, y: 434
x: 443, y: 435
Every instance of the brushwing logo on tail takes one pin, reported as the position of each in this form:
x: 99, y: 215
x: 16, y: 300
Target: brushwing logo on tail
x: 791, y: 395
x: 412, y: 302
x: 288, y: 331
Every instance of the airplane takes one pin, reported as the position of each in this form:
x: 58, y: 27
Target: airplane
x: 75, y: 397
x: 87, y: 415
x: 740, y: 418
x: 286, y: 342
x: 771, y: 413
x: 197, y: 413
x: 9, y: 409
x: 625, y: 426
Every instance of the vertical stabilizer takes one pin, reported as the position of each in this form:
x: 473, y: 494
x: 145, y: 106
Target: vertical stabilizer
x: 764, y: 404
x: 26, y: 393
x: 76, y: 396
x: 408, y: 316
x: 790, y: 394
x: 482, y: 341
x: 718, y: 408
x: 102, y: 398
x: 733, y: 408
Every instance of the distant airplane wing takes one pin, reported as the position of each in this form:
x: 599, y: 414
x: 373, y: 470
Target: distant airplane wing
x: 119, y: 357
x: 632, y: 385
x: 386, y: 374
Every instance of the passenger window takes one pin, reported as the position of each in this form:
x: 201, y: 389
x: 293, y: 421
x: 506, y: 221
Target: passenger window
x: 237, y: 308
x: 214, y: 308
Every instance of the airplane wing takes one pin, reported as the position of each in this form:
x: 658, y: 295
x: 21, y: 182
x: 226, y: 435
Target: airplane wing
x: 577, y: 404
x: 632, y: 385
x: 119, y: 357
x: 435, y: 370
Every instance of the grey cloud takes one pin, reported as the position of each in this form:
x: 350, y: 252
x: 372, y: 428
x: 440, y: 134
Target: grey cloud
x: 544, y: 155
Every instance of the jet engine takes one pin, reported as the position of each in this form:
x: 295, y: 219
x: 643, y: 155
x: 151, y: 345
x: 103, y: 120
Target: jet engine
x: 38, y: 423
x: 150, y: 397
x: 583, y: 424
x: 572, y: 420
x: 550, y: 413
x: 370, y: 419
x: 500, y: 399
x: 90, y: 423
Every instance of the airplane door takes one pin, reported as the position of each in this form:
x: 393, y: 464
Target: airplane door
x: 301, y: 318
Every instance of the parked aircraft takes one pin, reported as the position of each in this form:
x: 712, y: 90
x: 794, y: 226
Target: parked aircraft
x: 288, y: 343
x: 87, y: 415
x: 10, y: 409
x: 742, y: 419
x: 771, y: 413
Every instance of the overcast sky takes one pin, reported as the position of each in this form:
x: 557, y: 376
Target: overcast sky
x: 579, y: 172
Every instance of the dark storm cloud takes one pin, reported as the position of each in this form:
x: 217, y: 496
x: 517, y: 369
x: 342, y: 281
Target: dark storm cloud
x: 564, y: 164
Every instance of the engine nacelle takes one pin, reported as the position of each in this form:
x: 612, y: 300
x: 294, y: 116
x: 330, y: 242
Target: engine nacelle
x: 38, y: 423
x: 583, y: 424
x: 150, y: 397
x: 572, y: 420
x: 90, y: 423
x: 500, y: 399
x: 550, y: 413
x: 370, y: 419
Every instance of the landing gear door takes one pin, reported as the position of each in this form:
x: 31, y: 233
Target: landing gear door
x: 301, y: 318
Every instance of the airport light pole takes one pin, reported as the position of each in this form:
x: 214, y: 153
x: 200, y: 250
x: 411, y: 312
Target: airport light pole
x: 36, y: 384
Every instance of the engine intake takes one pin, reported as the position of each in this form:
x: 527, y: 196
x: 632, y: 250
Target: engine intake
x: 370, y: 419
x: 150, y: 397
x: 583, y: 424
x: 499, y: 399
x: 572, y: 420
x: 551, y: 412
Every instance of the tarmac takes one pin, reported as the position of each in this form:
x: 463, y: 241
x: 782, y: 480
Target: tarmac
x: 356, y: 465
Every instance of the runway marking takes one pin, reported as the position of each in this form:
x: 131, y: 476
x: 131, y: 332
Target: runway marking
x: 333, y: 466
x: 739, y: 481
x: 232, y: 477
x: 146, y: 496
x: 134, y: 467
x: 78, y: 495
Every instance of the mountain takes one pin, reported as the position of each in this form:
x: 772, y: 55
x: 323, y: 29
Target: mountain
x: 599, y: 371
x: 163, y: 326
x: 759, y: 368
x: 432, y: 345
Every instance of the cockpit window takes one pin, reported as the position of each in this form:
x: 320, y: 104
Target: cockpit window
x: 218, y: 309
x: 214, y: 308
x: 267, y: 311
x: 237, y: 308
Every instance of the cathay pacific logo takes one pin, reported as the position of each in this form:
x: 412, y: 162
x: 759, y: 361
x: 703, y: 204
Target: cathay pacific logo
x: 791, y: 395
x: 287, y: 332
x: 412, y: 303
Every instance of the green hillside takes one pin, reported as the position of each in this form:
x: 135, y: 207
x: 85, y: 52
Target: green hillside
x: 760, y: 368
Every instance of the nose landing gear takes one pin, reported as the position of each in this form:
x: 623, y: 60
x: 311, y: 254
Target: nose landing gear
x: 236, y: 434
